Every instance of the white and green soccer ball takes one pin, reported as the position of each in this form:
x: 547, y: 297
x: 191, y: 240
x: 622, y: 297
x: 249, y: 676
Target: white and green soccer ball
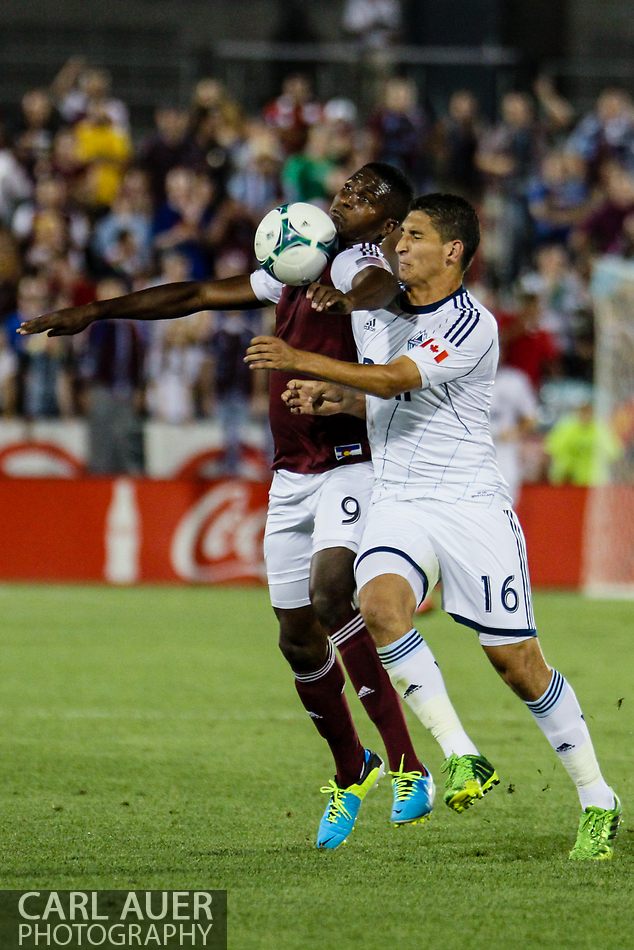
x: 294, y: 243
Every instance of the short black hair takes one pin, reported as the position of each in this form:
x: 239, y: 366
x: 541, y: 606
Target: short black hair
x: 453, y: 217
x: 401, y: 192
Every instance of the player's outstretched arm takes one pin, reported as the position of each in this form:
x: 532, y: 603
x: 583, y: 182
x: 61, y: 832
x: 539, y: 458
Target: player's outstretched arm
x: 308, y: 397
x: 384, y: 380
x: 372, y: 288
x: 155, y: 303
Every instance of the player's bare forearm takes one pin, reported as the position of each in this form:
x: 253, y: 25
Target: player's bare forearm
x: 155, y: 303
x: 372, y: 288
x: 383, y: 380
x: 309, y: 397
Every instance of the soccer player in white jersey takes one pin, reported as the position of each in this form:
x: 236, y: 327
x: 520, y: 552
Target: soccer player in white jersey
x: 440, y: 505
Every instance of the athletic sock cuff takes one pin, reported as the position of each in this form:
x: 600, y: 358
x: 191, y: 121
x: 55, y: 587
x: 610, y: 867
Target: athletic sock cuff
x: 322, y: 671
x: 349, y: 630
x: 402, y: 649
x: 546, y: 703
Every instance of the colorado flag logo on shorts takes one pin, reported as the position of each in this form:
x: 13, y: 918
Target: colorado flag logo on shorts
x: 344, y: 451
x: 434, y: 347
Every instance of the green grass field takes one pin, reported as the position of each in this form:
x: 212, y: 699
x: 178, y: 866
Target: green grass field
x: 152, y: 738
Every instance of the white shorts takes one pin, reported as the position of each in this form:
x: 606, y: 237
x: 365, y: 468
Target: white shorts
x: 478, y: 551
x: 308, y: 513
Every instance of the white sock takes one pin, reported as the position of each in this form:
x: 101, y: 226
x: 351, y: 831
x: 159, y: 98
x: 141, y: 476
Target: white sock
x: 559, y: 716
x: 416, y: 677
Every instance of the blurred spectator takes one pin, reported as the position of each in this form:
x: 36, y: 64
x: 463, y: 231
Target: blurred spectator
x: 581, y: 448
x: 80, y: 88
x: 233, y: 385
x: 168, y: 147
x: 50, y: 240
x: 105, y: 150
x: 211, y: 99
x: 606, y: 133
x: 340, y: 118
x: 507, y: 157
x: 10, y: 270
x: 558, y: 197
x: 123, y: 237
x: 400, y: 130
x: 65, y: 164
x: 556, y: 113
x: 375, y: 24
x: 36, y: 129
x: 293, y: 112
x: 513, y: 418
x: 455, y: 145
x: 69, y: 283
x: 175, y: 370
x: 176, y: 354
x: 15, y: 185
x: 32, y: 299
x: 180, y: 222
x: 174, y: 267
x: 230, y: 232
x: 48, y: 377
x: 305, y: 174
x: 50, y: 196
x: 112, y: 373
x: 528, y: 347
x: 216, y: 129
x: 256, y: 181
x: 561, y: 396
x: 602, y: 231
x: 234, y: 395
x: 564, y: 301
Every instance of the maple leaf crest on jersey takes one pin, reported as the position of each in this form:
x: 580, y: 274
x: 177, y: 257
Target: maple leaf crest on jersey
x: 434, y: 347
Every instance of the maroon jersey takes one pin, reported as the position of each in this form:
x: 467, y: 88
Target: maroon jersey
x: 313, y: 444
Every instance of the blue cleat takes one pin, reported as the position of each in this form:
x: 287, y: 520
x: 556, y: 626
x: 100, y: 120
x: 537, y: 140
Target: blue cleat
x: 413, y: 797
x: 344, y: 803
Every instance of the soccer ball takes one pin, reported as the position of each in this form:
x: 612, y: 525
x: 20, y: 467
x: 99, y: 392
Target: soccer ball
x: 294, y: 242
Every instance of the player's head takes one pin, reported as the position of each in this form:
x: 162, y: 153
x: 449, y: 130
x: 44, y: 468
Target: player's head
x: 441, y: 231
x: 371, y: 203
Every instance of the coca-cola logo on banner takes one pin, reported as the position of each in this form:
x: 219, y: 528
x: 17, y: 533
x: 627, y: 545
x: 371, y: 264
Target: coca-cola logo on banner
x: 220, y: 538
x: 39, y: 459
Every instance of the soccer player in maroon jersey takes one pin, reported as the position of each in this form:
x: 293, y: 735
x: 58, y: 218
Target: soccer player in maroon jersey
x: 320, y: 490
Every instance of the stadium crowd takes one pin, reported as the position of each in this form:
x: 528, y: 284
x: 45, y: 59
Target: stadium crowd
x: 90, y: 208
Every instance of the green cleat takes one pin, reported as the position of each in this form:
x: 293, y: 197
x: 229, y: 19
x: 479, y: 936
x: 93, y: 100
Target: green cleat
x: 597, y: 831
x: 469, y: 778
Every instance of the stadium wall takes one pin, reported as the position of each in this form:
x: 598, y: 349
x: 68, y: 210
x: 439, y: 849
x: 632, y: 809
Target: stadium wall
x: 124, y: 531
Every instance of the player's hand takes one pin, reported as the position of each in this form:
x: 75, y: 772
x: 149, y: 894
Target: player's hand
x: 328, y: 298
x: 60, y: 322
x: 269, y: 352
x: 308, y: 397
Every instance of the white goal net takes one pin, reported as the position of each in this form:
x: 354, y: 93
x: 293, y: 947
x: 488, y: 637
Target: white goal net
x: 608, y: 555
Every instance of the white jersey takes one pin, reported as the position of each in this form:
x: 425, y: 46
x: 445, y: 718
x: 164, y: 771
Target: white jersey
x: 513, y: 402
x: 345, y: 266
x: 435, y: 442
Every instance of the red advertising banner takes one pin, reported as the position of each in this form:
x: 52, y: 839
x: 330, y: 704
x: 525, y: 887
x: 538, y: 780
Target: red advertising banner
x: 124, y: 531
